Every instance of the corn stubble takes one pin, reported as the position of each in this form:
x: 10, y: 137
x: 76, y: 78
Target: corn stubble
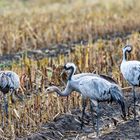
x: 41, y: 27
x: 37, y: 107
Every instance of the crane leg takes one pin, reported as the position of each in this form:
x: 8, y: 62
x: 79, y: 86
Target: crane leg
x: 97, y: 111
x: 134, y: 97
x: 6, y: 107
x: 96, y: 104
x: 92, y: 117
x: 2, y: 114
x: 83, y: 111
x: 12, y: 98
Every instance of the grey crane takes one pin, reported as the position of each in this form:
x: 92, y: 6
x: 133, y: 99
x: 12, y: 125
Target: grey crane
x: 96, y: 88
x: 77, y: 76
x: 131, y: 72
x: 9, y: 82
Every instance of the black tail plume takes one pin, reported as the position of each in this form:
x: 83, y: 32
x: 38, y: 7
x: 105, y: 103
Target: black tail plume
x: 116, y: 95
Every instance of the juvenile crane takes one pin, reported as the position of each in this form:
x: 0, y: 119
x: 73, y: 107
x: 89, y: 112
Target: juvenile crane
x: 131, y: 72
x: 96, y: 88
x: 9, y: 82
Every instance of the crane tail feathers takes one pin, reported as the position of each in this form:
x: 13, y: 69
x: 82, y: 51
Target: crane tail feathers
x: 117, y: 96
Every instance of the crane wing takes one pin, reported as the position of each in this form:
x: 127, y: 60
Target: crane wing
x: 95, y: 88
x: 108, y: 78
x: 136, y: 68
x: 9, y: 79
x: 131, y: 72
x: 80, y: 75
x: 3, y: 81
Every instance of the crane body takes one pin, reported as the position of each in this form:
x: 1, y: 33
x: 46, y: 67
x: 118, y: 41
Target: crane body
x: 9, y: 82
x: 131, y: 73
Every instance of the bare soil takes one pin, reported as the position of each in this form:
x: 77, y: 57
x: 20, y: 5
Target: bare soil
x: 112, y: 126
x: 57, y: 49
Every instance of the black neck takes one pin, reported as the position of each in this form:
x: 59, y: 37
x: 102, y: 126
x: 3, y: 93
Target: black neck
x: 125, y: 55
x: 72, y: 72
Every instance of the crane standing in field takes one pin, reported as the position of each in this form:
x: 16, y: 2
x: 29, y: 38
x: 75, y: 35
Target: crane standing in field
x: 96, y: 88
x: 131, y: 72
x: 9, y: 82
x: 77, y: 76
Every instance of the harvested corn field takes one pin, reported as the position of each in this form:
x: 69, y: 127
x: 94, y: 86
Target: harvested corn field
x: 37, y: 38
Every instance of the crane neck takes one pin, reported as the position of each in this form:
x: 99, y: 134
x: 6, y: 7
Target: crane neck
x: 57, y: 90
x: 71, y: 73
x: 124, y: 55
x: 66, y: 92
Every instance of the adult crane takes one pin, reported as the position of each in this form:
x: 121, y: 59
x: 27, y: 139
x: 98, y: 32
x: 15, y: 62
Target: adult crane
x: 77, y: 76
x: 131, y: 72
x: 96, y: 88
x: 9, y: 82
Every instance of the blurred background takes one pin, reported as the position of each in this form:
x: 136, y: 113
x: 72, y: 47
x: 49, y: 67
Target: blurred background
x: 33, y: 24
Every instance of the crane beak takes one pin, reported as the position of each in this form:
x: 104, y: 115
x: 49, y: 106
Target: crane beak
x: 62, y: 72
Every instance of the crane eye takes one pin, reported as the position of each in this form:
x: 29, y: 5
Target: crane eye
x: 48, y: 89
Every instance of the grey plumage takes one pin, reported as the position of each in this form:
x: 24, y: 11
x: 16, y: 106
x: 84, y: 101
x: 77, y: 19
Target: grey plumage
x: 131, y: 72
x: 91, y: 86
x: 9, y: 82
x: 117, y: 97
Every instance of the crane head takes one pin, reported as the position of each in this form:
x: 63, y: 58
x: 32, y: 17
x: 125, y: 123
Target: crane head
x: 127, y: 48
x: 68, y: 66
x: 50, y: 89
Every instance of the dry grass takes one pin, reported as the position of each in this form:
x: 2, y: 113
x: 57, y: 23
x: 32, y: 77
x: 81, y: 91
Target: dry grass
x: 39, y: 24
x: 32, y: 25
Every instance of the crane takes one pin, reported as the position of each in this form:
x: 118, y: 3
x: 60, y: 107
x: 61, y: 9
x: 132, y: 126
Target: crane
x: 77, y: 76
x: 9, y: 82
x: 131, y: 72
x: 96, y: 88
